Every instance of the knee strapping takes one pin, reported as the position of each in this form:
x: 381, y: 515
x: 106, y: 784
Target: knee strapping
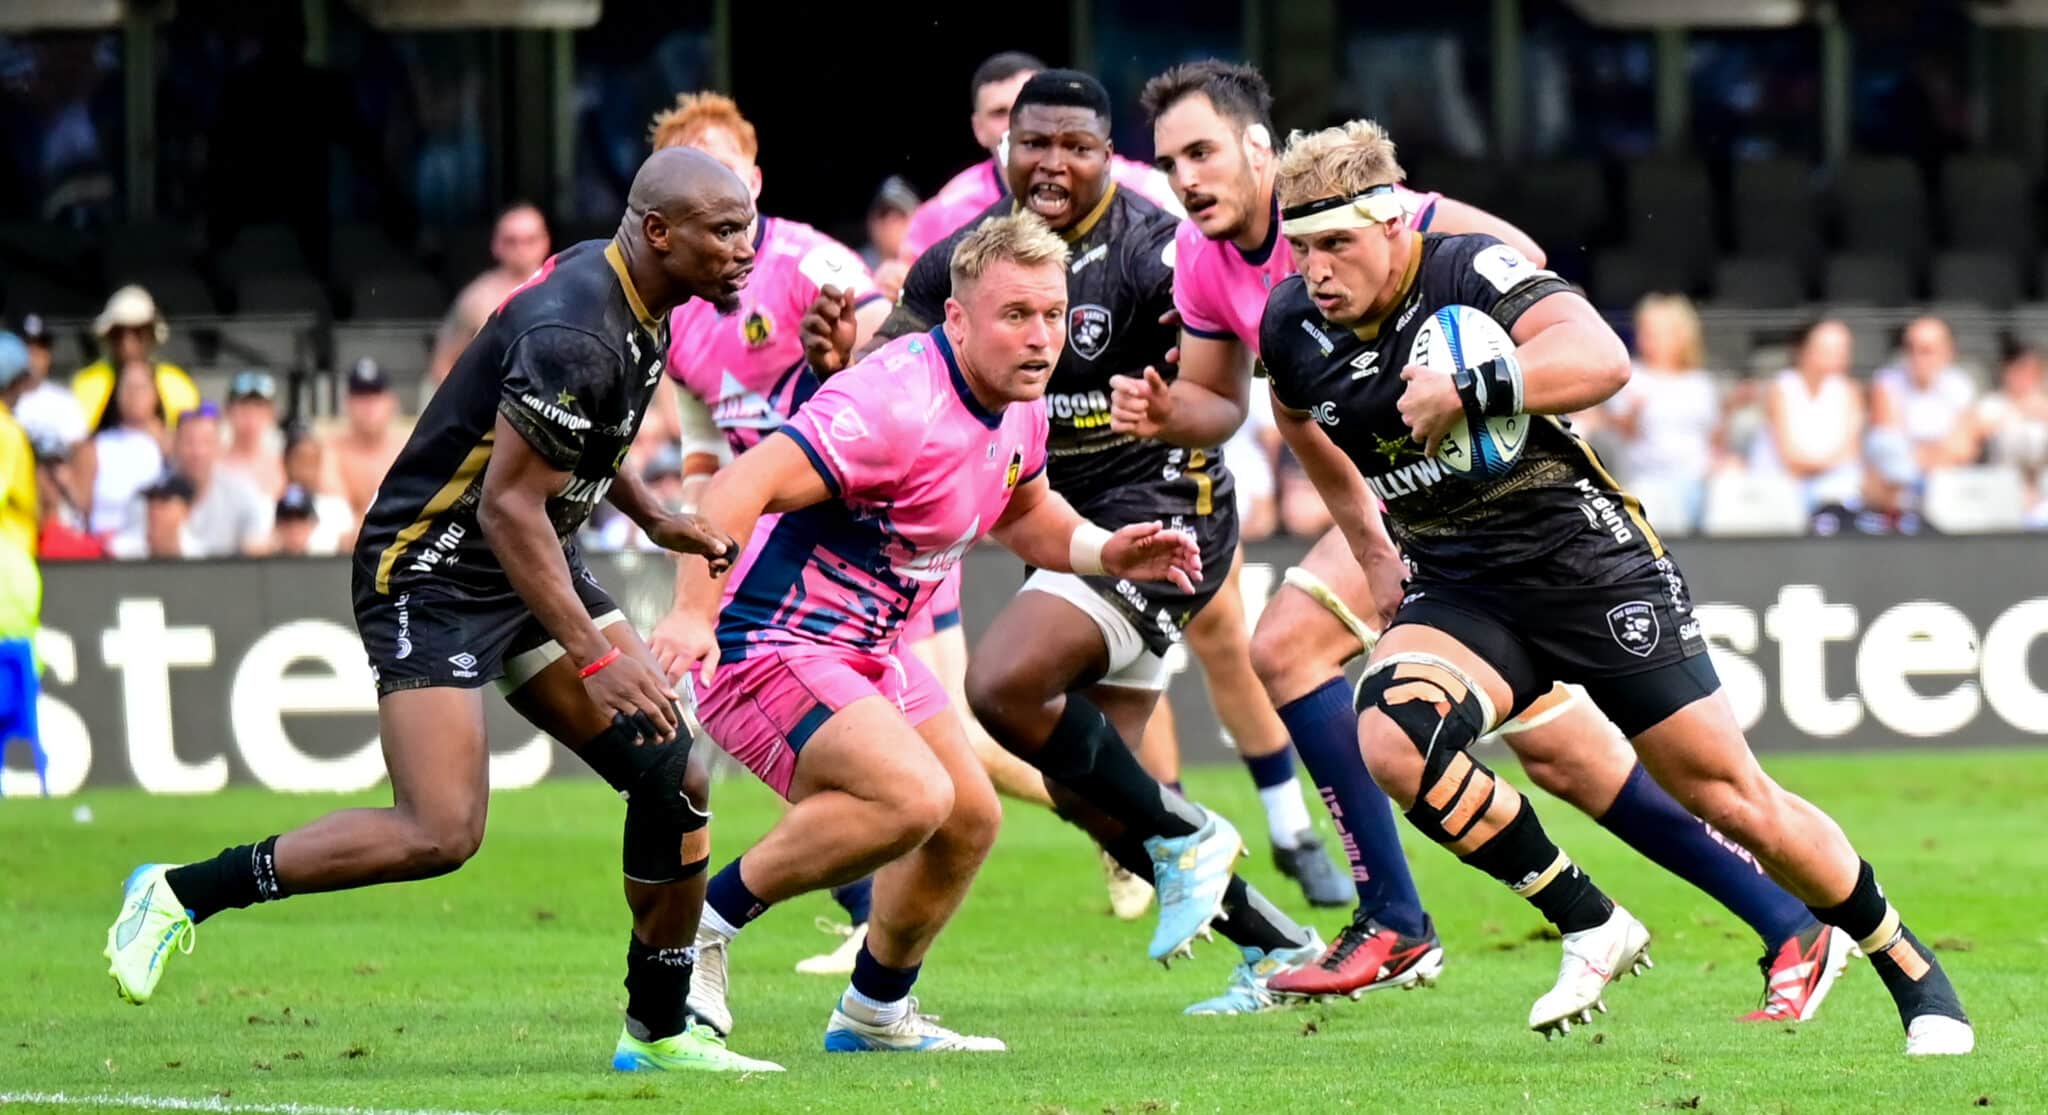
x: 1442, y: 713
x: 659, y: 815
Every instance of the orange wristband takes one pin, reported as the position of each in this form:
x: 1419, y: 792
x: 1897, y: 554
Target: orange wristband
x: 608, y: 658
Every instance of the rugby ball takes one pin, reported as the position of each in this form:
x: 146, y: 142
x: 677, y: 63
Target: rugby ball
x: 1458, y: 337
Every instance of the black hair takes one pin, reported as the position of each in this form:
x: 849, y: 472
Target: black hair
x: 1065, y: 89
x: 1000, y: 67
x: 1239, y: 92
x: 110, y: 414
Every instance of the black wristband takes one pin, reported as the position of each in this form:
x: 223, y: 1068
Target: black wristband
x: 1490, y: 390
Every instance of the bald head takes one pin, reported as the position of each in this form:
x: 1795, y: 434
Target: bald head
x: 691, y: 219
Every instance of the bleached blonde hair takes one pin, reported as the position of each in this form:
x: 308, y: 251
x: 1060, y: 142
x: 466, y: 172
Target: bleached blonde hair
x: 1020, y: 238
x: 1343, y: 161
x: 1692, y: 349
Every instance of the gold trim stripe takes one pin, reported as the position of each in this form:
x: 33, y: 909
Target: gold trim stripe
x: 617, y: 259
x: 1629, y: 502
x: 465, y: 473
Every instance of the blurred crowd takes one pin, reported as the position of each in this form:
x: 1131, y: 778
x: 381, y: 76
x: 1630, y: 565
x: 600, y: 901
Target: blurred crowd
x: 131, y: 462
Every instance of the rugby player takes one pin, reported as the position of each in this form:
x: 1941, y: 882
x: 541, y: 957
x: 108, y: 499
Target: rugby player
x: 747, y: 368
x: 1548, y: 573
x: 992, y: 91
x: 465, y: 574
x: 879, y: 484
x: 1211, y: 123
x: 1073, y: 667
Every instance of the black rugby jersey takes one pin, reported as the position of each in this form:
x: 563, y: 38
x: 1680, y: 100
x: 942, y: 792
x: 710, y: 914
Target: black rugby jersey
x: 1119, y: 284
x: 1557, y: 517
x: 571, y: 360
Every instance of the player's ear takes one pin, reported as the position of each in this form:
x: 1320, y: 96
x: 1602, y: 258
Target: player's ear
x: 956, y: 315
x: 654, y: 226
x: 754, y: 183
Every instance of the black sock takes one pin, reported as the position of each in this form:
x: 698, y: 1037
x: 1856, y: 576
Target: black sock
x: 240, y: 876
x: 657, y: 989
x: 1250, y: 921
x: 1522, y: 856
x: 1086, y: 755
x: 1908, y: 968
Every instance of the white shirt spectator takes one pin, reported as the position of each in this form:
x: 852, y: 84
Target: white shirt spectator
x: 133, y: 545
x: 129, y: 460
x: 1663, y: 425
x: 1930, y: 413
x: 231, y: 516
x: 1827, y: 421
x: 51, y: 414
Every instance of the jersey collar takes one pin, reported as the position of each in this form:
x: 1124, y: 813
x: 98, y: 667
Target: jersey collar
x: 1264, y: 251
x: 1369, y: 329
x: 981, y: 413
x: 1087, y: 224
x: 617, y: 259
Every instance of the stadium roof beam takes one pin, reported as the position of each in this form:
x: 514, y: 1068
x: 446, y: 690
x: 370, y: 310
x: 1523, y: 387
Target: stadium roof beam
x: 62, y: 15
x: 2010, y: 13
x: 1645, y: 14
x: 446, y: 15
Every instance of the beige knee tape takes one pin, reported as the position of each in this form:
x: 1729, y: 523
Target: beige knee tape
x: 1322, y: 594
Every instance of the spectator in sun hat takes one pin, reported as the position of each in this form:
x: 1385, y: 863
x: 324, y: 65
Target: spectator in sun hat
x: 130, y: 329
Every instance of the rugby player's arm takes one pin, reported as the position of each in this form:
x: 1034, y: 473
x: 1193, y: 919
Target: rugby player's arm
x: 1041, y: 527
x: 514, y: 517
x: 1571, y: 359
x: 1457, y: 217
x: 703, y: 445
x: 774, y: 476
x: 1210, y: 398
x: 1350, y: 502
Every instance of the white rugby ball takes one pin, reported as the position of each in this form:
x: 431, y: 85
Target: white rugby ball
x: 1457, y: 337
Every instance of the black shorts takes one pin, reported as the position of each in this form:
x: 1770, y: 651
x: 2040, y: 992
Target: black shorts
x: 1159, y: 609
x: 440, y: 635
x: 1634, y: 644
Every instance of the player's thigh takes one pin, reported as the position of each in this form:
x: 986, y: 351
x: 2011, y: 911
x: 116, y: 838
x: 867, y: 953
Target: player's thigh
x: 1219, y: 628
x: 977, y: 811
x: 546, y: 689
x: 1039, y: 646
x: 1569, y: 748
x: 1313, y: 625
x: 1448, y: 669
x: 436, y: 753
x: 1700, y: 755
x: 868, y: 750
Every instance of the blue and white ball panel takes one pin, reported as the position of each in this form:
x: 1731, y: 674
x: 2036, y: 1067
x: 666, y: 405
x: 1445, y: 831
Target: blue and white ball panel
x: 1462, y: 337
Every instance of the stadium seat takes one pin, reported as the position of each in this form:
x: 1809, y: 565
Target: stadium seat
x: 364, y: 249
x: 1975, y: 500
x: 1562, y: 204
x: 1667, y: 208
x: 400, y: 348
x: 178, y: 291
x: 62, y: 254
x: 150, y: 246
x: 1866, y: 279
x: 1772, y: 210
x: 1472, y: 181
x: 1621, y: 276
x: 1883, y: 207
x: 280, y: 293
x: 1988, y: 203
x: 23, y: 291
x: 397, y: 294
x: 265, y: 250
x: 1740, y: 503
x: 1986, y: 278
x: 1759, y: 283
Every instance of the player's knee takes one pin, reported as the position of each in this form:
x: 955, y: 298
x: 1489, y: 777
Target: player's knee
x: 915, y: 807
x: 439, y: 845
x: 1270, y: 659
x: 697, y: 783
x: 970, y: 829
x: 1390, y: 757
x: 1746, y: 810
x: 1001, y: 696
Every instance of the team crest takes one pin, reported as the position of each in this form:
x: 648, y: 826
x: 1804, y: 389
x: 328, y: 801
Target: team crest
x: 1016, y: 470
x: 1634, y: 627
x: 757, y: 328
x: 1088, y: 330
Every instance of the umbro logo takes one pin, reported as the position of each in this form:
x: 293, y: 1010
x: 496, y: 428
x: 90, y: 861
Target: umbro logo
x: 1366, y: 362
x: 464, y: 663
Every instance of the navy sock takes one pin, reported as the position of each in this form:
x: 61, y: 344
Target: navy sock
x: 857, y: 898
x: 1653, y: 823
x: 1324, y: 727
x: 1272, y: 770
x: 879, y: 983
x: 728, y: 897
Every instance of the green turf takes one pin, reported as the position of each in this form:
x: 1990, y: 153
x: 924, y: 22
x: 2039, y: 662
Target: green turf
x: 498, y: 987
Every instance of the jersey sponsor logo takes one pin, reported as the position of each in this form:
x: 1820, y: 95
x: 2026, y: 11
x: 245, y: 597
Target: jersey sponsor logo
x: 847, y: 425
x: 1504, y: 267
x: 1603, y: 513
x: 757, y: 328
x: 1394, y: 448
x: 829, y: 265
x: 585, y: 490
x: 557, y: 411
x: 1366, y: 363
x: 1634, y: 627
x: 935, y: 565
x: 1088, y: 330
x: 404, y: 626
x: 440, y: 552
x: 464, y: 663
x: 1092, y: 255
x: 1408, y: 479
x: 1082, y: 410
x: 1322, y: 342
x: 1414, y: 304
x: 1326, y: 413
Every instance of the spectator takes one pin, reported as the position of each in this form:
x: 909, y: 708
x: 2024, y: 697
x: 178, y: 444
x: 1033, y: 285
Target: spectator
x: 663, y: 474
x: 127, y: 452
x: 47, y: 411
x: 165, y: 528
x: 64, y: 534
x: 520, y: 244
x: 129, y: 331
x: 1919, y: 416
x: 364, y: 451
x: 1663, y: 421
x: 255, y: 449
x: 229, y: 516
x: 297, y: 530
x: 305, y: 466
x: 1251, y: 454
x: 21, y: 584
x: 1814, y: 431
x: 888, y: 222
x: 2012, y: 423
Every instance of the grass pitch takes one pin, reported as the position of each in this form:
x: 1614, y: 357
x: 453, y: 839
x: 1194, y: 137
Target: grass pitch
x: 498, y: 988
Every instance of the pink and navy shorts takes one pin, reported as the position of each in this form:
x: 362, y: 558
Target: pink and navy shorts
x: 765, y: 707
x: 939, y: 613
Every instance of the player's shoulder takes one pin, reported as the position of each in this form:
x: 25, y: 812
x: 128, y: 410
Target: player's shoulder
x: 1289, y: 309
x: 897, y: 381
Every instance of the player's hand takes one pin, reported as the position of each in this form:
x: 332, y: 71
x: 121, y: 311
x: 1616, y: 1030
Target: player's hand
x: 1429, y: 406
x: 1171, y: 319
x: 1151, y: 552
x: 1140, y: 405
x: 1386, y: 578
x: 682, y: 640
x: 636, y: 697
x: 693, y: 534
x: 828, y: 329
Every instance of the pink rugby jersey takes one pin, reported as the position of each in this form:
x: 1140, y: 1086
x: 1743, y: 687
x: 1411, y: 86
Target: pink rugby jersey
x: 918, y: 471
x: 748, y: 365
x: 1221, y: 291
x: 981, y: 185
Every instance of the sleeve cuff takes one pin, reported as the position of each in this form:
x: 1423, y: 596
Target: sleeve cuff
x: 1035, y: 474
x: 1210, y: 334
x: 817, y: 459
